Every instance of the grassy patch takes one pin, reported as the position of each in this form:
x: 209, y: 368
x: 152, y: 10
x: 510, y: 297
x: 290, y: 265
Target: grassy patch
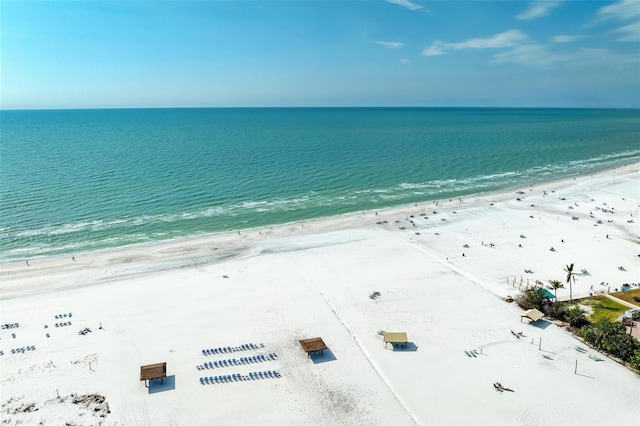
x: 603, y: 308
x: 628, y: 296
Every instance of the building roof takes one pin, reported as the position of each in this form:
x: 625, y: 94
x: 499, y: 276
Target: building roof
x: 313, y: 344
x: 395, y: 337
x: 153, y: 371
x: 533, y: 314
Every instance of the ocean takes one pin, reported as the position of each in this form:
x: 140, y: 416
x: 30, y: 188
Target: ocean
x: 73, y: 181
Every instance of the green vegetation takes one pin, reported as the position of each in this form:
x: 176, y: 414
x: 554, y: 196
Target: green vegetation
x: 600, y: 329
x: 575, y: 316
x: 631, y: 296
x: 555, y: 284
x: 612, y: 337
x: 571, y: 277
x: 535, y: 298
x: 603, y: 308
x: 531, y: 298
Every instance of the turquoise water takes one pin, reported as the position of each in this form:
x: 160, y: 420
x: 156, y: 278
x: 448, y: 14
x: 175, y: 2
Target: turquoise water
x: 79, y: 180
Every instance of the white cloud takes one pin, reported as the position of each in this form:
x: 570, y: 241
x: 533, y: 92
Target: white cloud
x: 405, y: 61
x: 624, y: 10
x: 538, y: 9
x: 541, y: 56
x: 565, y: 38
x: 629, y: 32
x: 390, y: 44
x: 529, y: 54
x: 406, y: 3
x: 506, y: 39
x: 434, y: 50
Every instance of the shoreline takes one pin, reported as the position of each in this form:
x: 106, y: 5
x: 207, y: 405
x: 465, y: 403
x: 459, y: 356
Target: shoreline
x: 209, y: 235
x: 250, y: 235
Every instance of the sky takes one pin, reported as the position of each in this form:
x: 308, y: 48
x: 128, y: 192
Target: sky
x: 451, y: 53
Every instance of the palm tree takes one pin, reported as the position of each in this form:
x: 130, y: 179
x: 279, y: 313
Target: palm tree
x: 575, y: 315
x: 555, y: 284
x: 570, y: 276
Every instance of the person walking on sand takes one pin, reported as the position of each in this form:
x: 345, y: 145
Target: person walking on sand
x: 27, y: 262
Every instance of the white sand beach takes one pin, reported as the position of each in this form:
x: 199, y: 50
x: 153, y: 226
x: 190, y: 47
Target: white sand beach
x: 441, y: 270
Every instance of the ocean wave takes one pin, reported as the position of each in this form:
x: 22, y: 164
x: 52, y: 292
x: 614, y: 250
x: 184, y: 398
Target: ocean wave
x: 404, y: 191
x: 114, y: 232
x: 499, y: 180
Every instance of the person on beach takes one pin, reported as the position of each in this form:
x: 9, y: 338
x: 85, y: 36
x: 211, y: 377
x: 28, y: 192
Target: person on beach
x: 27, y: 262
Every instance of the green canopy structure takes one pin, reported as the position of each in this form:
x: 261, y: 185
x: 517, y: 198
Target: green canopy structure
x: 548, y: 294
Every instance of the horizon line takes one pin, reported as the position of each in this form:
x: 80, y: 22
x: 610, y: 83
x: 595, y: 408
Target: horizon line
x: 317, y: 107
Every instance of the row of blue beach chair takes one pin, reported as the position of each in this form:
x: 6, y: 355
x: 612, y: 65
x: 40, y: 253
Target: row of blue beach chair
x: 229, y: 349
x: 60, y: 316
x: 240, y: 361
x: 237, y: 377
x: 12, y: 325
x: 63, y: 324
x: 23, y: 349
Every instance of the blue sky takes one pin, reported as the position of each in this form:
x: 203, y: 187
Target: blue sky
x: 97, y: 54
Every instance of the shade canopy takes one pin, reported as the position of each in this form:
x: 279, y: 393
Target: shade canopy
x: 153, y: 371
x: 395, y: 337
x: 313, y: 345
x: 532, y: 314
